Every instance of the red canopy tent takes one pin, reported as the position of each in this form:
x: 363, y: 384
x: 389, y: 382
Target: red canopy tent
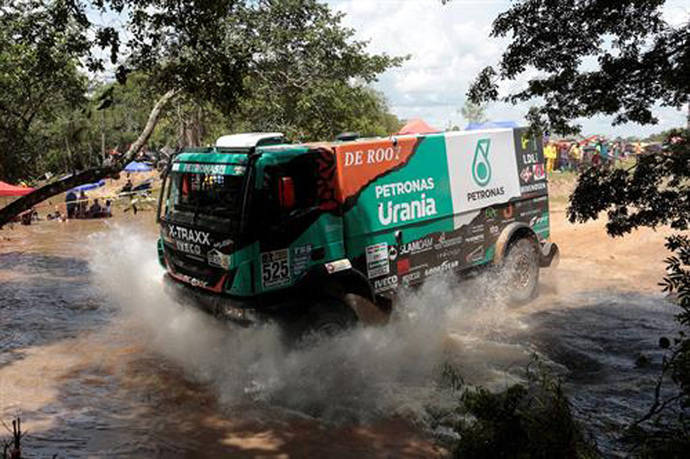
x: 417, y: 126
x: 10, y: 190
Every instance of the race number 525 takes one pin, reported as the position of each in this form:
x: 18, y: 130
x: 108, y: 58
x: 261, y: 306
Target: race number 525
x: 275, y: 268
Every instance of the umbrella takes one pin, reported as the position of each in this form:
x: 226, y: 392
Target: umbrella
x: 11, y: 190
x: 417, y: 126
x: 137, y: 167
x: 89, y: 186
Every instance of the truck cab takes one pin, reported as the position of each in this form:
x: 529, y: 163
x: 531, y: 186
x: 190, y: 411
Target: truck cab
x: 325, y: 234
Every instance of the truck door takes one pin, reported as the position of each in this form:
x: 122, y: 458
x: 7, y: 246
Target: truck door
x: 299, y: 225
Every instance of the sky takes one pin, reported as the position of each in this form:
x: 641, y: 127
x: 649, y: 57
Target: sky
x: 448, y: 45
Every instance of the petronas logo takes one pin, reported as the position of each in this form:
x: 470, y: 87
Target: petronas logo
x: 481, y: 167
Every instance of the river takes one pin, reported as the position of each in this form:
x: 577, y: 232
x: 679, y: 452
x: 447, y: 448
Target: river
x: 97, y: 361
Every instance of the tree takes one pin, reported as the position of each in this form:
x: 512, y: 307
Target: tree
x: 641, y: 60
x: 473, y: 113
x: 38, y: 79
x: 209, y: 52
x: 309, y: 77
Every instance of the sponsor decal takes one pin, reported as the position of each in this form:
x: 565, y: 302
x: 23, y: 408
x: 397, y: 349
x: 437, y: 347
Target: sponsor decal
x: 530, y: 158
x: 359, y: 164
x: 301, y: 257
x: 443, y: 267
x: 476, y: 255
x: 377, y: 260
x: 491, y: 162
x: 481, y: 167
x: 416, y: 208
x: 493, y: 229
x: 477, y: 229
x: 188, y: 247
x: 409, y: 186
x: 386, y: 283
x: 192, y: 280
x: 223, y: 244
x: 508, y: 212
x: 418, y: 246
x: 189, y: 235
x: 526, y: 174
x: 403, y: 265
x: 533, y: 187
x: 485, y: 194
x: 540, y: 223
x: 411, y: 277
x: 475, y: 238
x: 538, y: 170
x: 211, y: 169
x: 444, y: 242
x: 338, y: 265
x: 392, y: 253
x: 481, y: 173
x: 449, y: 253
x: 530, y: 212
x: 216, y: 258
x: 490, y: 213
x: 372, y: 156
x: 275, y: 268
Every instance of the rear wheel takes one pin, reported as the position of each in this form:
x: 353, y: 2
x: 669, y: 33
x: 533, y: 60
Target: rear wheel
x: 520, y: 271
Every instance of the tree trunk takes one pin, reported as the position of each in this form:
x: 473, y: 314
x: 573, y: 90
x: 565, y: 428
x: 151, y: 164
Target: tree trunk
x: 90, y: 175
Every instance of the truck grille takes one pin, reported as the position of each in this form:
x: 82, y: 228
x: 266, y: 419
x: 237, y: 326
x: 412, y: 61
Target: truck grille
x: 183, y: 264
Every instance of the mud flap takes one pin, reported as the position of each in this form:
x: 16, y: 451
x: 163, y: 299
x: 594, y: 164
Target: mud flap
x: 550, y: 255
x: 367, y: 312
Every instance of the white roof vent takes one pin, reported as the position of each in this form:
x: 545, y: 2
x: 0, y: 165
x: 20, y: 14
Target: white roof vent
x: 250, y: 139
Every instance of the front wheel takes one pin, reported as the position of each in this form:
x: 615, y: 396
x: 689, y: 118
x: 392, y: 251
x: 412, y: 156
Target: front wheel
x: 326, y: 317
x: 520, y: 271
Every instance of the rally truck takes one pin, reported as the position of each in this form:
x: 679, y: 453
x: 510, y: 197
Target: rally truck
x: 322, y: 235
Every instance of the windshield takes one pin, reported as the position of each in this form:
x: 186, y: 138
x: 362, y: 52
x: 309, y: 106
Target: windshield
x: 214, y: 200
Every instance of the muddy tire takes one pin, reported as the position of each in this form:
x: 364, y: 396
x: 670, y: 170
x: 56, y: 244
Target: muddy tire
x: 326, y: 317
x: 520, y: 271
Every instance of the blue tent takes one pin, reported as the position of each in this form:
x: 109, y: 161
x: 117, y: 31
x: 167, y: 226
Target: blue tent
x: 137, y: 167
x: 491, y: 125
x: 89, y: 186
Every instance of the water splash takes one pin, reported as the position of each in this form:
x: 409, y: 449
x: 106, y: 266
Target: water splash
x: 365, y: 373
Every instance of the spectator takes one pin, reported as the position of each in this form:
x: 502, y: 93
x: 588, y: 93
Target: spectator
x: 550, y: 155
x: 95, y: 210
x: 83, y: 205
x: 70, y: 204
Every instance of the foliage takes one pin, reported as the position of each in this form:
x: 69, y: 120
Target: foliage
x: 239, y: 66
x: 590, y: 57
x: 655, y: 192
x: 309, y: 76
x: 39, y: 81
x: 525, y: 420
x: 473, y: 113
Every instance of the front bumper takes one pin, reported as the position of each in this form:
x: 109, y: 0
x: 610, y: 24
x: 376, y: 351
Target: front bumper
x: 219, y: 306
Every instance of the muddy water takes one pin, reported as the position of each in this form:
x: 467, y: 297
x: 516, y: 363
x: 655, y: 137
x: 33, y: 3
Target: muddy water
x: 98, y: 361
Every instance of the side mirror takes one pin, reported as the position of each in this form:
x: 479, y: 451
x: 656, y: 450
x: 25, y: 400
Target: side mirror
x: 286, y: 193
